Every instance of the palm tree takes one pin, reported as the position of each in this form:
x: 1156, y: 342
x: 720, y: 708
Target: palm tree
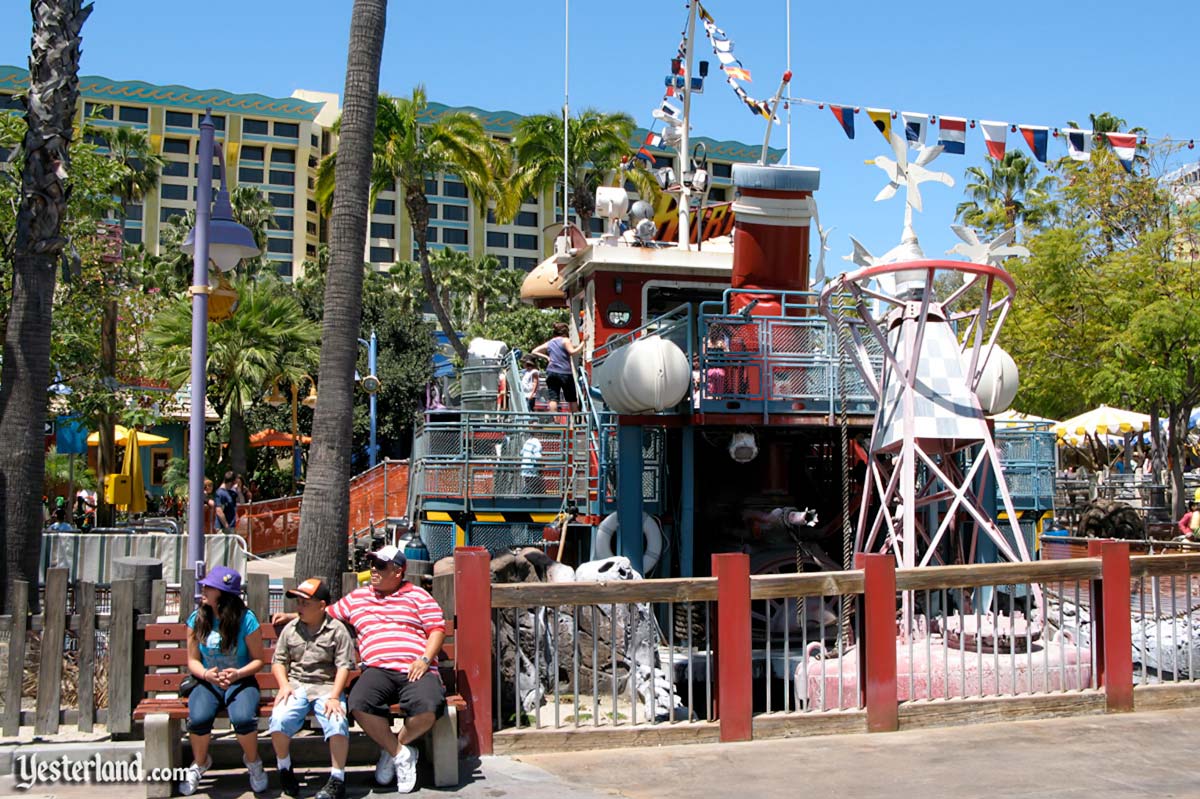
x: 322, y: 549
x: 25, y: 373
x: 407, y: 151
x: 266, y: 337
x: 1007, y: 194
x: 597, y: 147
x: 140, y: 167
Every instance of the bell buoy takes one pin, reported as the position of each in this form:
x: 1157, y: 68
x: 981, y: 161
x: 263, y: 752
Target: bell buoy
x: 607, y: 531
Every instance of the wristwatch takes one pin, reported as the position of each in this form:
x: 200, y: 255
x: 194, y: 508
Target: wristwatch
x: 424, y: 659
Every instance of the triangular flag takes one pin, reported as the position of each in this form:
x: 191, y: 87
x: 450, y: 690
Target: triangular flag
x: 914, y: 128
x: 1079, y: 143
x: 737, y: 72
x: 882, y: 117
x: 995, y: 134
x: 1038, y: 139
x: 952, y: 135
x: 1124, y: 146
x: 845, y: 117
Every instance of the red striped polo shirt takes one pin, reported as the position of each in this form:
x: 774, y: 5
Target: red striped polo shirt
x: 393, y: 629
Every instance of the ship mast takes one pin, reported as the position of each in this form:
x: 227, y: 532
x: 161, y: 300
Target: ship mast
x: 685, y: 192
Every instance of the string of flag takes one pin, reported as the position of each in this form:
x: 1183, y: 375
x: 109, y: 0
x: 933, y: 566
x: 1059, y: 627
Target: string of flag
x: 668, y: 113
x: 952, y: 133
x: 732, y: 66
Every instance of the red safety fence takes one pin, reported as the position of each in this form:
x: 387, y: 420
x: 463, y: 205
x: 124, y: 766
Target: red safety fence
x: 376, y: 495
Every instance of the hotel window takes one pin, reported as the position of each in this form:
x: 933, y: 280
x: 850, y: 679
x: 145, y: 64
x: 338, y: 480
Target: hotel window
x: 315, y: 141
x: 525, y: 241
x: 495, y: 239
x: 284, y: 222
x: 174, y: 191
x: 97, y: 110
x: 9, y: 102
x: 385, y: 207
x: 166, y: 212
x: 130, y: 113
x: 248, y: 175
x: 382, y: 255
x: 257, y: 127
x: 282, y: 178
x: 431, y: 186
x: 133, y: 211
x: 177, y: 146
x: 383, y: 230
x: 312, y: 206
x: 280, y: 200
x: 722, y: 170
x: 279, y: 246
x: 452, y: 188
x: 431, y: 234
x: 175, y: 169
x: 524, y: 263
x: 311, y: 227
x: 453, y: 236
x: 284, y: 268
x: 133, y: 235
x: 216, y: 170
x: 178, y: 119
x: 218, y: 122
x: 433, y: 211
x: 454, y: 213
x: 252, y: 153
x: 596, y: 225
x: 502, y: 260
x: 526, y: 219
x: 282, y: 156
x: 491, y: 216
x: 717, y: 195
x: 287, y: 130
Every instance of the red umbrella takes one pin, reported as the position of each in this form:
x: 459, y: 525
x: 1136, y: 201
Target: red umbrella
x: 275, y: 438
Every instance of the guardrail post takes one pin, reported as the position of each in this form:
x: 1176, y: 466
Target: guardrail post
x: 1118, y: 636
x: 735, y: 689
x: 473, y: 644
x: 879, y: 641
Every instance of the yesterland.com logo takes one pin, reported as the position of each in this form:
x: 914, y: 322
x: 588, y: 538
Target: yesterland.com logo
x: 30, y: 770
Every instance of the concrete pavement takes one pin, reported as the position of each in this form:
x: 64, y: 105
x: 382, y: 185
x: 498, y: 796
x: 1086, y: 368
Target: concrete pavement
x: 1134, y: 756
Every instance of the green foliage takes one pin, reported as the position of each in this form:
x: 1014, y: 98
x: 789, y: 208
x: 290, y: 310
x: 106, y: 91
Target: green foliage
x: 58, y: 474
x: 469, y: 288
x: 1006, y: 193
x: 522, y: 327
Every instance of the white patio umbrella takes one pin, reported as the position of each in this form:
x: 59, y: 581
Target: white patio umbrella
x: 1106, y: 423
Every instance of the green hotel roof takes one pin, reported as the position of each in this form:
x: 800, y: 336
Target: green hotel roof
x: 99, y: 89
x: 504, y: 123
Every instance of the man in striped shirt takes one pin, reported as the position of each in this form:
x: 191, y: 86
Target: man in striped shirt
x: 400, y: 629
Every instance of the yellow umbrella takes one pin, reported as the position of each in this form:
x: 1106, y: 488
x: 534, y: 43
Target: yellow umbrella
x: 122, y: 435
x: 132, y: 467
x: 1103, y: 421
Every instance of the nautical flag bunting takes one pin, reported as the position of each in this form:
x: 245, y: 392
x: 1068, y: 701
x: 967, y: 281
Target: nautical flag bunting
x: 1124, y: 146
x: 914, y: 128
x: 1079, y: 143
x: 1038, y: 139
x: 737, y: 72
x: 995, y: 134
x: 845, y: 117
x: 952, y: 135
x: 882, y: 117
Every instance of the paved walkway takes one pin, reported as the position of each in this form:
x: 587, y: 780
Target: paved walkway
x: 276, y: 567
x: 1134, y: 756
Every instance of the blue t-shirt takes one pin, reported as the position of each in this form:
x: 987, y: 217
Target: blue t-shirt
x: 227, y: 500
x: 210, y: 650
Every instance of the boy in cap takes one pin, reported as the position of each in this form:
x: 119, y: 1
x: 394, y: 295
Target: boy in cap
x: 312, y: 663
x: 400, y: 630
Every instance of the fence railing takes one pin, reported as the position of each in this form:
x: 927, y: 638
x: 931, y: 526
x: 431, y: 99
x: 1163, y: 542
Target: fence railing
x: 733, y: 657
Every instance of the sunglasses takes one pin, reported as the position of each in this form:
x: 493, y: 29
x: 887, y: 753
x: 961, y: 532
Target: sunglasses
x: 382, y: 565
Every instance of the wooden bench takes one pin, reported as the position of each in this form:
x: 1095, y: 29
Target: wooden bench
x: 163, y: 710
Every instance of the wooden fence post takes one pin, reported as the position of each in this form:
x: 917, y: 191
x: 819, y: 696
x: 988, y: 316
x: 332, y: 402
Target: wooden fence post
x: 16, y: 658
x: 473, y: 644
x: 1096, y: 611
x: 289, y: 604
x: 50, y: 669
x: 735, y: 687
x: 349, y: 582
x: 158, y: 598
x: 1118, y: 635
x: 879, y: 641
x: 258, y: 596
x: 121, y: 657
x: 85, y: 609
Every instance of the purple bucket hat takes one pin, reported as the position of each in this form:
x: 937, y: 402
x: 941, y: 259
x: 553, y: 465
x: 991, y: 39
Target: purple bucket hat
x: 224, y: 579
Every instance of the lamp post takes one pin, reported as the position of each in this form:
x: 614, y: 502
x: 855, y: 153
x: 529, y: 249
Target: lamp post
x: 276, y: 398
x: 371, y: 385
x: 216, y: 237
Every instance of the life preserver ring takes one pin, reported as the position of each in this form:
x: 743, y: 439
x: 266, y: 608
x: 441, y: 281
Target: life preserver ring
x: 607, y: 531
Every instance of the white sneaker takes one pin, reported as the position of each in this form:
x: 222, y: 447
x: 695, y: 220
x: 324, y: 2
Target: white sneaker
x: 406, y: 769
x: 191, y: 779
x: 385, y: 769
x: 258, y: 776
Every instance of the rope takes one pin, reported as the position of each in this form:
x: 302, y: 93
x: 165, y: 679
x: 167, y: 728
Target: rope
x: 843, y: 332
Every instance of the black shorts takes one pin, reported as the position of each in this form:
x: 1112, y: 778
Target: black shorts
x: 561, y: 383
x: 378, y: 689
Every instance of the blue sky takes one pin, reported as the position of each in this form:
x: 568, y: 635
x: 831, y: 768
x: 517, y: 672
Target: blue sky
x: 1020, y: 62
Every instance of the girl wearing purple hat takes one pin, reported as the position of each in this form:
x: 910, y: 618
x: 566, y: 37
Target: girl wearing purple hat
x: 225, y: 653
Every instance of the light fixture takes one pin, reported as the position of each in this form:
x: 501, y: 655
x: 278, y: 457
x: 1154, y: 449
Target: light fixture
x: 228, y: 241
x: 275, y: 397
x: 311, y: 400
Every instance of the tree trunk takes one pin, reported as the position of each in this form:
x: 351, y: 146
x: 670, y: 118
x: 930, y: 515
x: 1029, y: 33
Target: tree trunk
x: 325, y: 513
x: 106, y: 454
x: 25, y: 374
x: 418, y: 212
x: 239, y: 442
